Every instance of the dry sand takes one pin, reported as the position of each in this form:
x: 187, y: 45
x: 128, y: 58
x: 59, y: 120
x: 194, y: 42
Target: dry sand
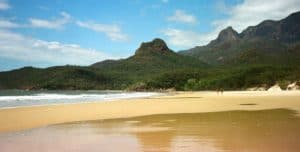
x: 22, y: 118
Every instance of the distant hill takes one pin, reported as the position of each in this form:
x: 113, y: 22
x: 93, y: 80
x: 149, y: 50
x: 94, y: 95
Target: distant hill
x: 60, y: 77
x: 270, y: 42
x: 150, y: 59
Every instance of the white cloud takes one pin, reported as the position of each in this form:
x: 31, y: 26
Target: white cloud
x: 220, y: 6
x: 252, y: 12
x: 184, y: 38
x: 18, y: 47
x: 165, y: 1
x: 112, y: 31
x: 4, y: 5
x: 182, y: 17
x: 8, y: 24
x: 57, y: 23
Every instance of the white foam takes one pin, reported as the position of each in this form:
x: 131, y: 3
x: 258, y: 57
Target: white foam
x: 45, y: 96
x: 55, y: 98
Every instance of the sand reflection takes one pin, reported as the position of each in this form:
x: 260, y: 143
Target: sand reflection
x: 260, y: 131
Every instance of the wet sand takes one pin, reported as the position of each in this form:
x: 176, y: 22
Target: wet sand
x: 274, y: 130
x: 23, y: 118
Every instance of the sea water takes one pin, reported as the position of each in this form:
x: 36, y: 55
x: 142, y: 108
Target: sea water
x: 19, y: 98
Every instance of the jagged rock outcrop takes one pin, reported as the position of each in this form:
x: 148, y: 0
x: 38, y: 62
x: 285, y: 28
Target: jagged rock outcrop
x: 226, y: 35
x: 155, y: 46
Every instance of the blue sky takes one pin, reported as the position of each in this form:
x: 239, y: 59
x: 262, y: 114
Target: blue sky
x: 81, y: 32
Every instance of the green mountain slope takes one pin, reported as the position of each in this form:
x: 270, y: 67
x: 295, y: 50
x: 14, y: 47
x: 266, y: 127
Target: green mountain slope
x: 63, y: 77
x: 151, y: 59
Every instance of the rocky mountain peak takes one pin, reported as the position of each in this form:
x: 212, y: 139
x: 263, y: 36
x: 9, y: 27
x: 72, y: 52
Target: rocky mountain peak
x: 157, y: 45
x: 226, y: 35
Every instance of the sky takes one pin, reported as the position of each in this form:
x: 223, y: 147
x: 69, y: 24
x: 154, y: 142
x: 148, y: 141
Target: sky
x: 81, y: 32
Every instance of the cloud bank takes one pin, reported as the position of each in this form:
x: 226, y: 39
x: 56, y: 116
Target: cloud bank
x: 19, y: 47
x: 240, y: 16
x: 8, y: 24
x: 112, y: 31
x: 4, y: 5
x: 185, y: 38
x: 181, y: 16
x: 57, y: 23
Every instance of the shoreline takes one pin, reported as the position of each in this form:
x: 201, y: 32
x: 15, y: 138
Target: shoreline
x: 48, y: 98
x: 22, y: 118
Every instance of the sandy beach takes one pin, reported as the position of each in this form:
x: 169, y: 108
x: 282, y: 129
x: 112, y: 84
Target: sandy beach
x: 22, y: 118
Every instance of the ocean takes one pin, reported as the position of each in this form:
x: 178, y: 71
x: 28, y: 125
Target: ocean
x: 20, y: 98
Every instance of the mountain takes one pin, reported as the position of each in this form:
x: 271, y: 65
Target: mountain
x: 270, y: 42
x: 156, y: 46
x: 151, y: 57
x: 259, y: 56
x: 286, y: 30
x: 227, y: 35
x: 150, y: 60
